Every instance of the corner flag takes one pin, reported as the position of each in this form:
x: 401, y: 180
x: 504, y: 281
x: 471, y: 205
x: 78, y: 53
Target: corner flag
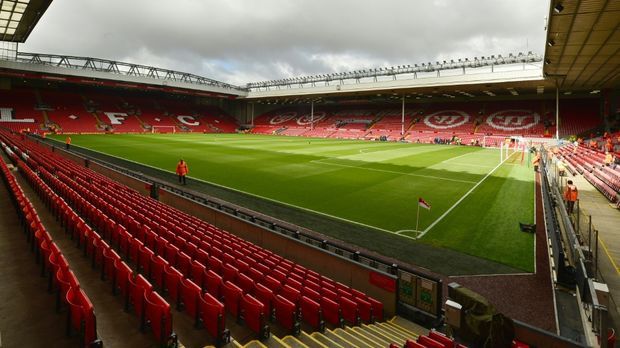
x: 422, y: 203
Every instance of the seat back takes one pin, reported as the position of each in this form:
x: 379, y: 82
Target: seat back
x: 331, y: 311
x: 190, y: 292
x: 311, y: 313
x: 253, y: 313
x: 212, y: 315
x: 232, y: 297
x: 285, y: 312
x: 158, y: 316
x: 213, y: 283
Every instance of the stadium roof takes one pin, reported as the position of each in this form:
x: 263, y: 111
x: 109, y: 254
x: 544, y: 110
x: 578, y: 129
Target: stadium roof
x: 19, y: 17
x: 583, y: 43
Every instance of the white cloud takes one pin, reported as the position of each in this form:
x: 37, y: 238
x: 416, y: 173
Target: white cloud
x: 247, y: 40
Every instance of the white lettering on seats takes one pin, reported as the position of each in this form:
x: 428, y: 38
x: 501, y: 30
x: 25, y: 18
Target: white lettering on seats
x: 116, y: 117
x: 284, y: 117
x: 306, y: 119
x: 6, y: 115
x: 510, y: 120
x: 445, y: 119
x: 184, y: 119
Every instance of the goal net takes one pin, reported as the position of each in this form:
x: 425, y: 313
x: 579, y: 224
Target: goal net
x: 508, y: 146
x: 163, y: 129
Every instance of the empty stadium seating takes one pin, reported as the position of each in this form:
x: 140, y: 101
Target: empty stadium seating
x: 242, y: 279
x: 95, y: 111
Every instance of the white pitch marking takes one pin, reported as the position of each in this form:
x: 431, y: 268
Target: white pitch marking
x: 394, y: 172
x: 462, y: 198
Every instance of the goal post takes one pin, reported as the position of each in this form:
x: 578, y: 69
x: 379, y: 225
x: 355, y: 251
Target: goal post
x: 508, y: 145
x: 163, y: 129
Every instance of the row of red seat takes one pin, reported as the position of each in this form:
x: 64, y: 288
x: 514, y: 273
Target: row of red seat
x: 81, y: 315
x: 590, y: 164
x: 434, y: 339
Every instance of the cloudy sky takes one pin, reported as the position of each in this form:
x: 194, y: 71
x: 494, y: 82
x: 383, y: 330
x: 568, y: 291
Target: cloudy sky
x: 240, y: 41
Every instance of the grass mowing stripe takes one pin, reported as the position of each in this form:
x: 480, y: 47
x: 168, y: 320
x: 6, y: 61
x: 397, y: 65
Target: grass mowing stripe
x: 393, y: 172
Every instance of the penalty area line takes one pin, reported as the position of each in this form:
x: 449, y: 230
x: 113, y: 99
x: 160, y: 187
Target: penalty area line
x: 462, y: 198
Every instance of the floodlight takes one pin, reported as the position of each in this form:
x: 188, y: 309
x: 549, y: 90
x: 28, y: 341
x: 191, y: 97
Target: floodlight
x: 547, y: 61
x: 558, y: 8
x: 550, y: 43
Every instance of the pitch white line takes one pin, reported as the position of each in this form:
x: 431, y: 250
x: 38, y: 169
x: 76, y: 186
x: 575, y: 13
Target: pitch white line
x: 393, y: 172
x: 462, y: 198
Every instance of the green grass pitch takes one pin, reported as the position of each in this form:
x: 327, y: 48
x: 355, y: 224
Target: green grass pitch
x: 376, y: 184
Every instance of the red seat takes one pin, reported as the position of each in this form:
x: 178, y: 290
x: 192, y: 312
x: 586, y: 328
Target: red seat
x: 253, y: 314
x: 81, y: 316
x: 429, y: 342
x: 377, y: 309
x: 144, y: 259
x: 271, y: 283
x: 313, y: 295
x: 265, y: 296
x: 290, y: 294
x: 157, y: 315
x: 190, y: 292
x: 122, y: 276
x: 65, y: 279
x: 158, y: 267
x: 213, y: 283
x: 441, y: 338
x: 197, y: 273
x: 350, y: 312
x: 184, y: 263
x: 286, y: 314
x: 413, y: 344
x: 213, y: 318
x: 171, y: 254
x: 311, y: 313
x: 172, y: 284
x: 232, y: 296
x: 215, y: 264
x: 331, y: 312
x: 138, y: 287
x: 245, y: 283
x: 109, y: 259
x: 229, y: 273
x: 365, y: 309
x: 255, y: 274
x: 134, y: 247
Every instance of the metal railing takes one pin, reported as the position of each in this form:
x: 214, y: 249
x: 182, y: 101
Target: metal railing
x: 119, y: 68
x: 580, y: 239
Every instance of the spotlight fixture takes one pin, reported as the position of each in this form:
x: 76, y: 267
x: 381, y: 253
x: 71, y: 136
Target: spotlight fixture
x: 558, y: 8
x: 547, y: 61
x: 550, y: 43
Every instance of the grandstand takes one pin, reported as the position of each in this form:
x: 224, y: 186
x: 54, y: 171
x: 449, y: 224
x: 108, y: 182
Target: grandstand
x: 336, y: 210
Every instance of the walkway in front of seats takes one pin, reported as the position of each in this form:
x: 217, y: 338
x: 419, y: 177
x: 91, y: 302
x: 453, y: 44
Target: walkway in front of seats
x: 116, y: 328
x: 605, y: 219
x: 28, y: 315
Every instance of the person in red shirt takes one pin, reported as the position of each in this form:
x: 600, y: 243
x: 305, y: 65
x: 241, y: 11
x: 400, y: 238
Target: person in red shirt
x: 182, y: 171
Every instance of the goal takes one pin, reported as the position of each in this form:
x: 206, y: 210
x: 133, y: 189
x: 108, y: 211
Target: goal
x: 163, y: 129
x: 508, y: 146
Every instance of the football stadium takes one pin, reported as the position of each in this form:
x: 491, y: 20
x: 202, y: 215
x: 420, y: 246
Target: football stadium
x: 447, y: 202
